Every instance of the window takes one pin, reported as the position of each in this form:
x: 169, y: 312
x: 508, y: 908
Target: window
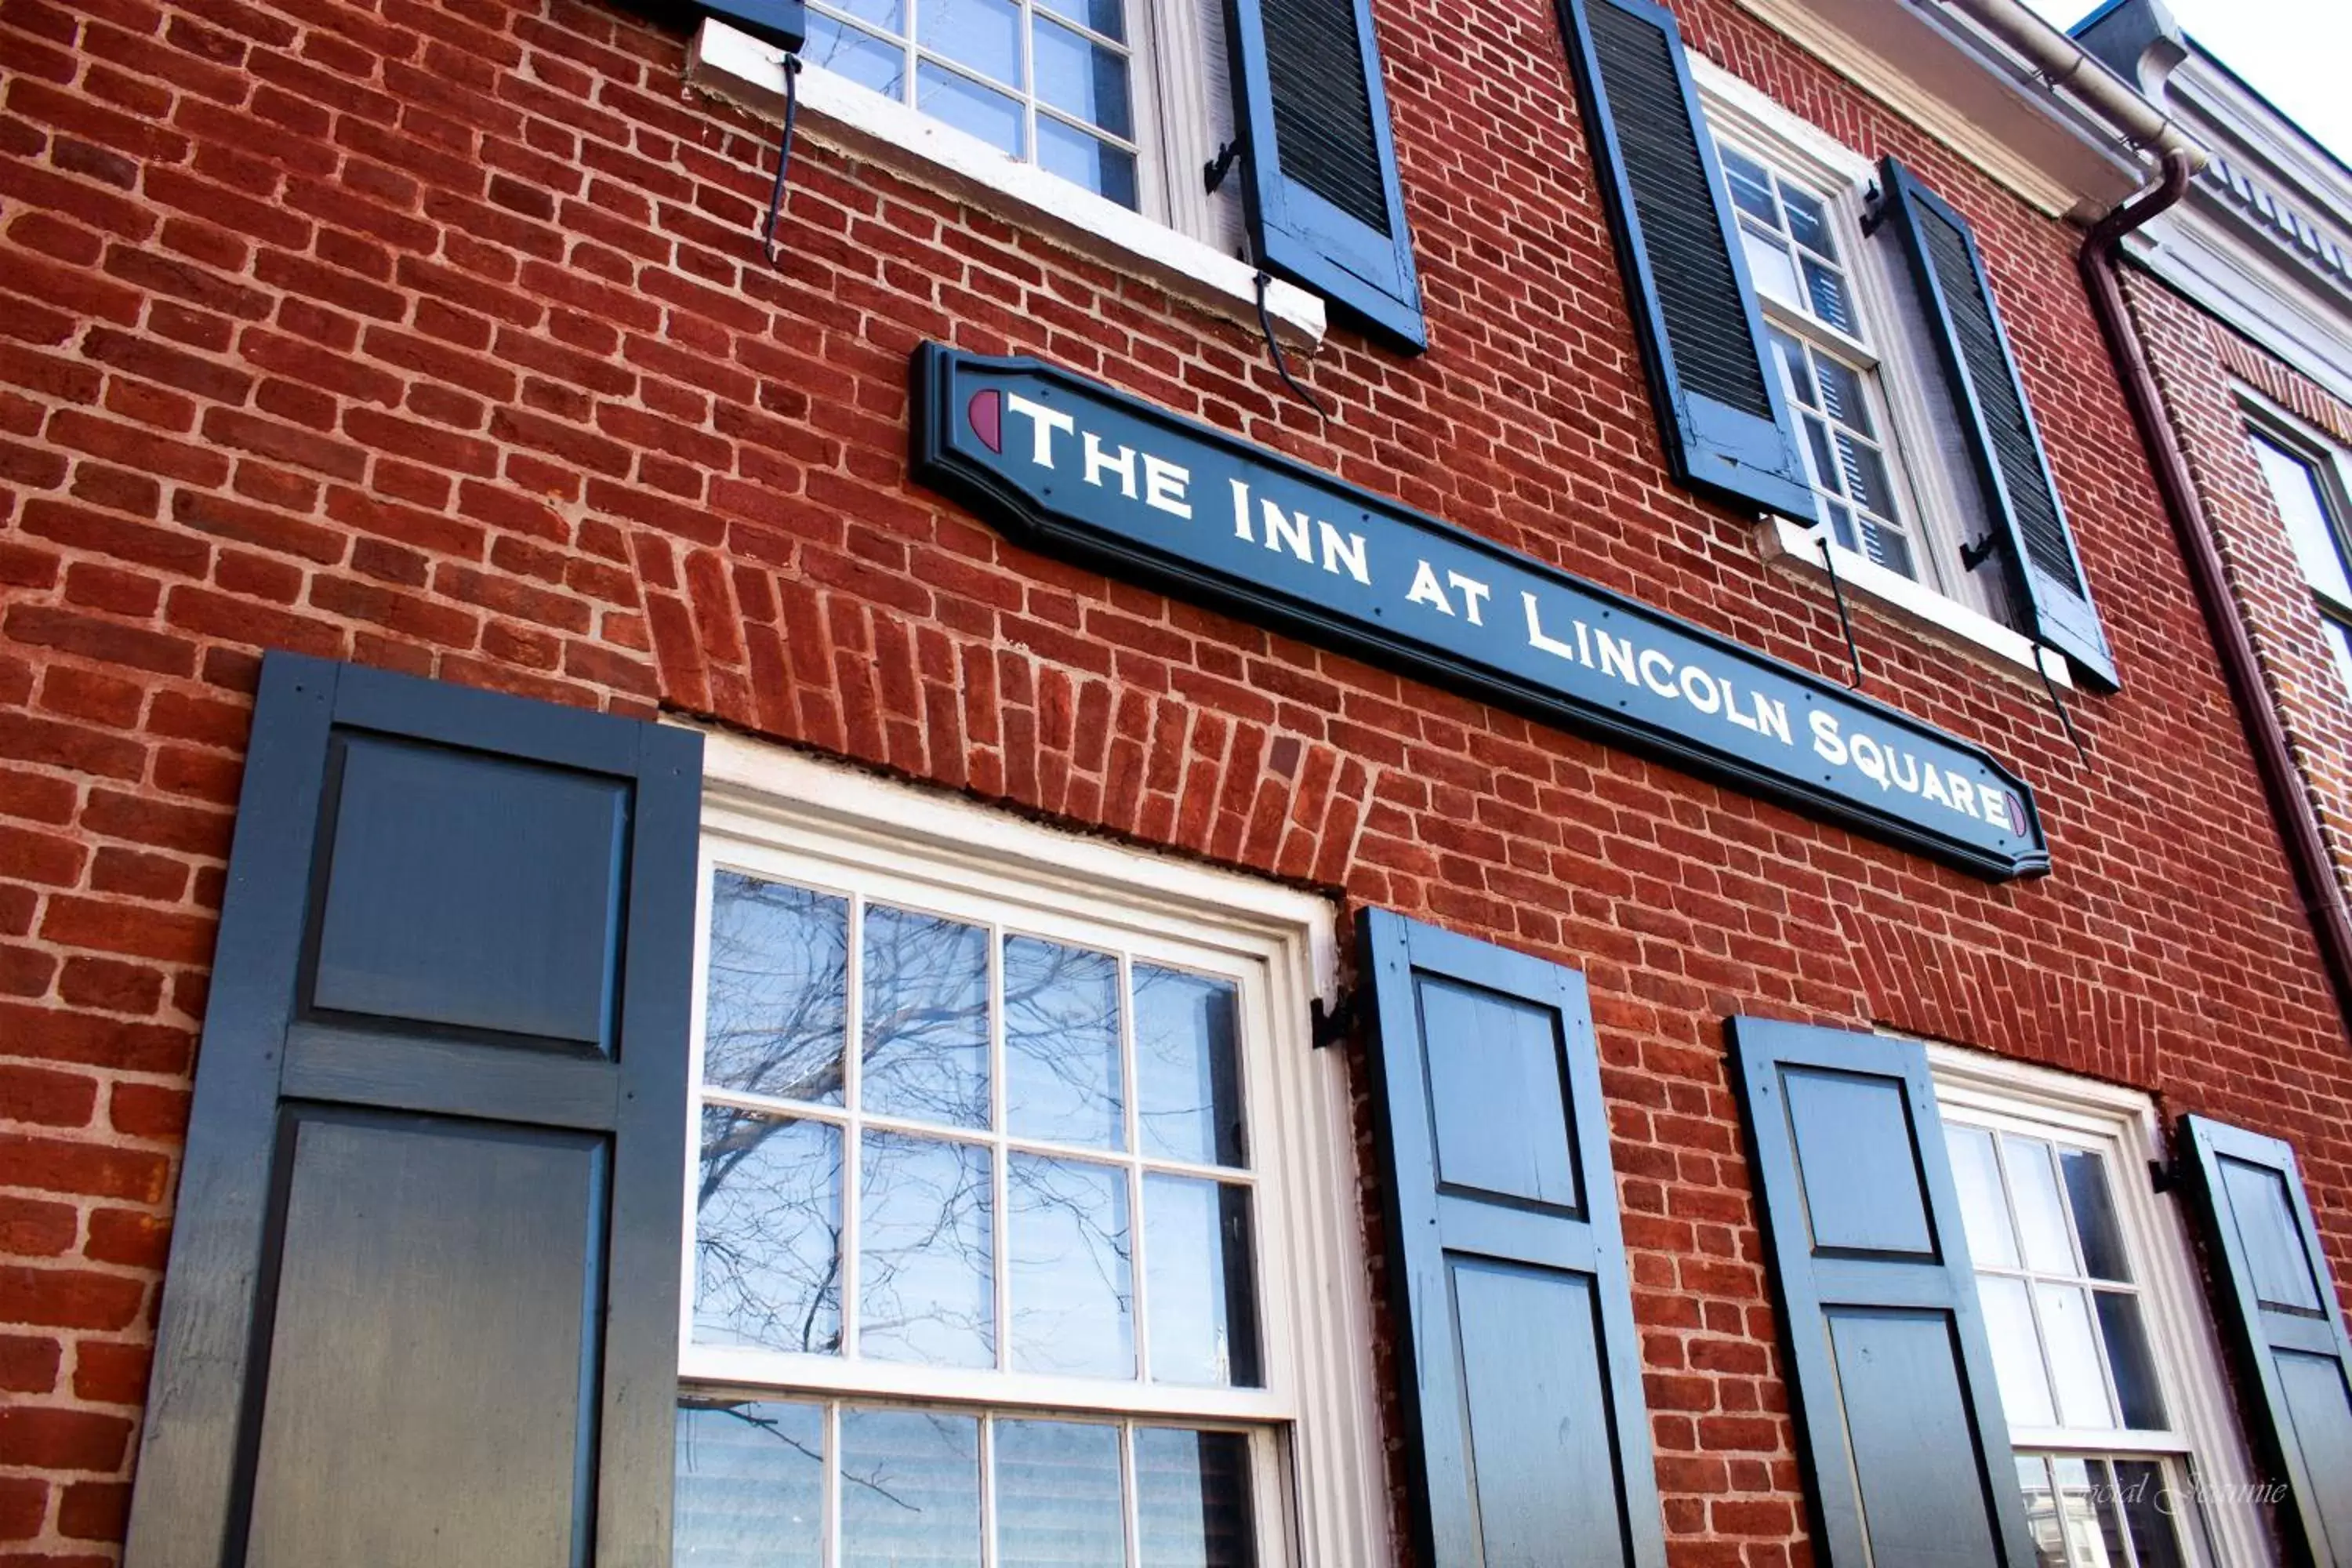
x: 2307, y: 489
x: 2107, y: 1374
x: 1796, y: 257
x: 1001, y: 1244
x: 1052, y: 83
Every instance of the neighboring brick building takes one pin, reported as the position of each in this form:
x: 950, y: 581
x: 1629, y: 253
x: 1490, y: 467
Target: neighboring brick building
x: 439, y: 340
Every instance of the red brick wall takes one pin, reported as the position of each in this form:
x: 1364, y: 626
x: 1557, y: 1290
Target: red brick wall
x: 2201, y: 366
x: 438, y: 338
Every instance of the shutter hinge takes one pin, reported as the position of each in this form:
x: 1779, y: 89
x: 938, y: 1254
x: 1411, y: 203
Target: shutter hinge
x: 1873, y: 209
x: 1334, y: 1025
x: 2164, y: 1175
x: 1214, y: 171
x: 1975, y: 555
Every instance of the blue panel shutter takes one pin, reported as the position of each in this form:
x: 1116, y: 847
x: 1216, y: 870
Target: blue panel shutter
x: 1718, y: 398
x: 1898, y: 1419
x: 2038, y: 549
x: 1522, y: 1378
x: 422, y: 1304
x: 1319, y: 167
x: 783, y: 23
x: 2280, y: 1310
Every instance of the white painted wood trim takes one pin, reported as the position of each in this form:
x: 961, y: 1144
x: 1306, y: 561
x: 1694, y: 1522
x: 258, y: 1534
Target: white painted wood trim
x: 1798, y: 548
x: 835, y: 826
x: 735, y: 66
x: 2188, y: 1356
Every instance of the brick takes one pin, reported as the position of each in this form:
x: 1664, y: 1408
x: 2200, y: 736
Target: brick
x: 58, y: 1439
x: 127, y: 1236
x: 31, y: 1228
x: 108, y: 1373
x: 46, y: 1099
x: 69, y: 1297
x: 29, y: 1364
x: 91, y: 638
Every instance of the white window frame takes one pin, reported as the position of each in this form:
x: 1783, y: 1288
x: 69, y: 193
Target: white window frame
x: 1947, y: 599
x: 2122, y: 1124
x: 2332, y: 465
x: 1186, y: 240
x: 1321, y: 1486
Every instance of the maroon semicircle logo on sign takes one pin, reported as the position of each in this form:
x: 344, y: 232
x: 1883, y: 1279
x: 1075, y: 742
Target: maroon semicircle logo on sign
x: 986, y: 412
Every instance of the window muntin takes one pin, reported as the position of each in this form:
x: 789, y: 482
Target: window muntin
x: 1051, y: 83
x: 1797, y: 249
x: 1028, y: 1202
x: 2310, y: 507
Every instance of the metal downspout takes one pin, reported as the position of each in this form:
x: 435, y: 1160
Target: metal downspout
x: 2290, y: 799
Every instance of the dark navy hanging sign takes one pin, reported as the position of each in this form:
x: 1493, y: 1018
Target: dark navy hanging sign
x: 1065, y: 465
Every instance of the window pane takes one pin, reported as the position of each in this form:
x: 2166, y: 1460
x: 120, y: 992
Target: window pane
x: 751, y: 1485
x: 1186, y: 1041
x: 1081, y: 78
x: 2095, y: 1225
x: 1825, y: 292
x: 909, y: 1489
x: 2042, y: 1512
x: 926, y: 1289
x: 1751, y: 186
x: 1888, y: 548
x: 856, y: 54
x: 1192, y: 1494
x: 2151, y: 1507
x: 767, y: 1232
x: 1841, y: 397
x: 1203, y: 1301
x: 1073, y: 1301
x: 2339, y: 641
x: 777, y: 1005
x: 1058, y: 1497
x: 1808, y: 222
x: 926, y: 1018
x: 1770, y: 263
x: 975, y: 109
x: 1105, y: 17
x: 2304, y: 508
x: 1795, y: 367
x: 2041, y: 1221
x: 2016, y: 1351
x: 984, y: 34
x: 1865, y: 475
x: 1825, y: 465
x: 1984, y: 1214
x: 2131, y: 1360
x: 1061, y: 1044
x: 2078, y: 1506
x: 1841, y: 523
x: 1087, y: 160
x: 2074, y: 1357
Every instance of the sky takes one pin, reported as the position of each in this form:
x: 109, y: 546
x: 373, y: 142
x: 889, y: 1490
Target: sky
x: 2296, y: 53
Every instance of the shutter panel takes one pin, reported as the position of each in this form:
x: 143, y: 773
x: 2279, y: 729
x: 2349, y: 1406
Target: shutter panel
x: 1318, y: 170
x: 421, y: 1306
x: 2280, y: 1308
x: 2044, y: 569
x: 1726, y: 424
x: 1522, y: 1379
x: 1899, y: 1417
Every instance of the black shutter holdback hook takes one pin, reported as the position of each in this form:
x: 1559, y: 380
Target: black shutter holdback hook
x: 783, y: 154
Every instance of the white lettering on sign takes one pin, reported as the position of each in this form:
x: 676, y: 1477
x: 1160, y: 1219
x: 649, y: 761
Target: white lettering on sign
x: 1268, y: 521
x: 1042, y: 423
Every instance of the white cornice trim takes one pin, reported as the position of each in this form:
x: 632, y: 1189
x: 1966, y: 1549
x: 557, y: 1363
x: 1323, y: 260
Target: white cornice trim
x: 2092, y: 177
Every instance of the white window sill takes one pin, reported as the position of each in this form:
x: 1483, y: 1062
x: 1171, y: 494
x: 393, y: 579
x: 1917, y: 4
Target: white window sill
x: 1799, y: 547
x: 736, y: 67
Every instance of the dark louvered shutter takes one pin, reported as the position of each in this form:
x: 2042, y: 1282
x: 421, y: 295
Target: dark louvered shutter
x: 2044, y: 570
x: 1898, y: 1418
x: 1319, y: 176
x: 422, y: 1304
x: 1719, y: 401
x: 1522, y: 1377
x: 2279, y: 1308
